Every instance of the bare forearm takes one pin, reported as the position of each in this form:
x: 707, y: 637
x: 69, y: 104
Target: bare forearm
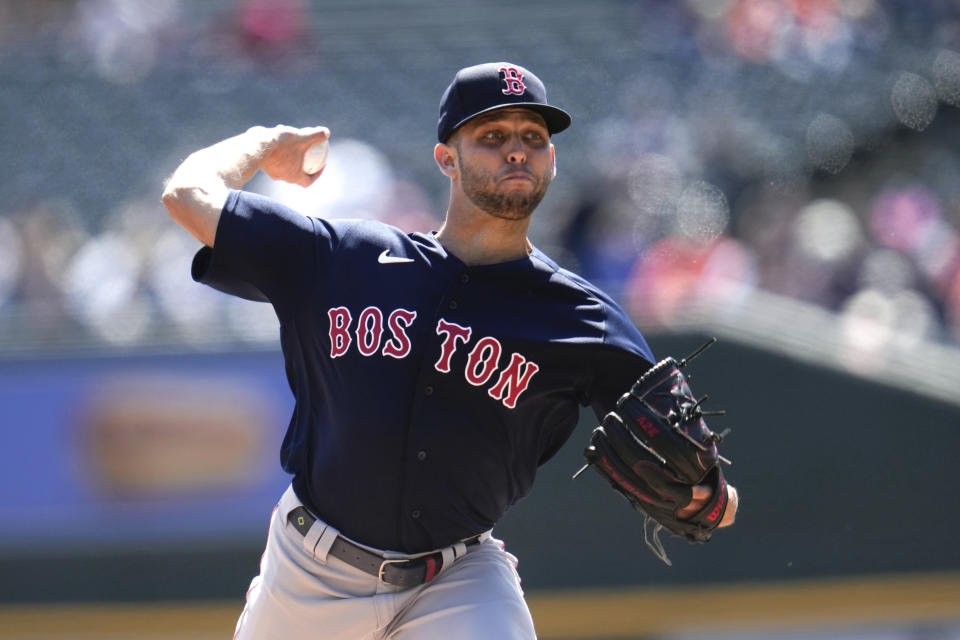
x: 194, y: 195
x: 235, y: 160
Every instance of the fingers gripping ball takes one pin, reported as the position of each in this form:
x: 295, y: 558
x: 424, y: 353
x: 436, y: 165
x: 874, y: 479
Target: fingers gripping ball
x: 315, y: 157
x: 654, y: 447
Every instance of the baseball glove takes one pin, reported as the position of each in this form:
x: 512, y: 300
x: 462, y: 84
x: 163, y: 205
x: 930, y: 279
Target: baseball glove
x: 654, y: 446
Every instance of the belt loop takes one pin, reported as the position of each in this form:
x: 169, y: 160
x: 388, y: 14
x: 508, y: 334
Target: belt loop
x: 449, y: 555
x: 314, y: 535
x: 459, y: 549
x: 324, y: 541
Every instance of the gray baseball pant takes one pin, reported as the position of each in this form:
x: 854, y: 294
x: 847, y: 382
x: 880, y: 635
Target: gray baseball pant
x: 303, y: 593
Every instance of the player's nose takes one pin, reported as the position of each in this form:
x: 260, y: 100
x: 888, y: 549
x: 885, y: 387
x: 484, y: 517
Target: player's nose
x: 515, y: 152
x: 517, y: 156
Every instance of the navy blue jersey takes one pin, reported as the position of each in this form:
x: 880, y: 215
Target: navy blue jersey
x: 427, y: 392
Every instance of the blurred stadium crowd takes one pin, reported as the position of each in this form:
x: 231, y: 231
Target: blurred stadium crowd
x: 803, y: 148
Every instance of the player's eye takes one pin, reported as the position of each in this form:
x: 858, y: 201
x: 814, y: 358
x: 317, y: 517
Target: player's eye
x: 536, y: 138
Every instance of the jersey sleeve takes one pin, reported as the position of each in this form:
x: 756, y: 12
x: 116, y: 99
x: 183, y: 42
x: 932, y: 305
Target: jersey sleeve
x: 615, y: 372
x: 265, y: 251
x: 624, y: 357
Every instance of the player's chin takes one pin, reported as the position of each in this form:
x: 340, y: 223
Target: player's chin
x: 514, y: 204
x: 522, y: 193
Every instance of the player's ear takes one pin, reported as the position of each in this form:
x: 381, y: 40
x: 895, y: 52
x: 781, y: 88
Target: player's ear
x: 446, y: 158
x: 553, y: 162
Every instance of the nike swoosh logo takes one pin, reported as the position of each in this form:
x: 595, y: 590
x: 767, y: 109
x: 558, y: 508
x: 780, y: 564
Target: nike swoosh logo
x: 385, y: 258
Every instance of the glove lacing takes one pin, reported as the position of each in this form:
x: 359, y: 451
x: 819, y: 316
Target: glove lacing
x: 651, y: 536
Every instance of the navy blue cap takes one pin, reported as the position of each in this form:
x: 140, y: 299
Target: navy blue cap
x: 495, y: 85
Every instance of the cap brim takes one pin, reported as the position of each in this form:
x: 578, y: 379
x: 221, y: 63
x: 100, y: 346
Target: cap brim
x: 557, y: 119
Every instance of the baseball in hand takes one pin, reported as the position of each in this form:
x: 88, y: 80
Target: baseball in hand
x: 316, y: 157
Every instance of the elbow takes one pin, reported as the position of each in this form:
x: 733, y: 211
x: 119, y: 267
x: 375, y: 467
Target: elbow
x: 173, y: 200
x: 177, y: 201
x: 191, y: 207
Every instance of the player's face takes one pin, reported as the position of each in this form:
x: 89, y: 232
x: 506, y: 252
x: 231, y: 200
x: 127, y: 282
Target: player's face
x: 506, y: 162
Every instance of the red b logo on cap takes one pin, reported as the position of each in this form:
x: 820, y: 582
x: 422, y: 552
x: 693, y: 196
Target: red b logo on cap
x: 513, y: 80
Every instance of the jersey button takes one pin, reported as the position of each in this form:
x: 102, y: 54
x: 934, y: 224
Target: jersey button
x: 453, y: 304
x: 428, y: 390
x: 464, y: 278
x: 415, y: 514
x: 421, y: 455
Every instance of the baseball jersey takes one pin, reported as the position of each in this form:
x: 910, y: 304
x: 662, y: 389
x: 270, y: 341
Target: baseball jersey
x: 427, y: 392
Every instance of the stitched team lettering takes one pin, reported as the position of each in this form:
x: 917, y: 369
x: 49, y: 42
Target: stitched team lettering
x: 513, y: 81
x: 483, y: 359
x: 369, y: 332
x: 482, y: 363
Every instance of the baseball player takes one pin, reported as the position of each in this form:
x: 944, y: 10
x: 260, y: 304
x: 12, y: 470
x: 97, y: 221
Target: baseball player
x: 433, y: 373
